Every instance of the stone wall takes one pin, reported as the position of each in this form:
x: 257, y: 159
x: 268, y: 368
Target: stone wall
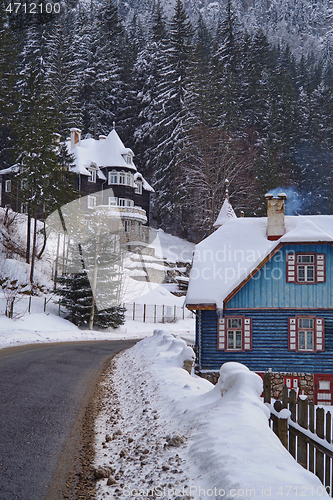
x: 305, y: 384
x: 277, y: 382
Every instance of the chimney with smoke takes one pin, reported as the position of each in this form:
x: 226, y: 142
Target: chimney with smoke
x: 275, y: 215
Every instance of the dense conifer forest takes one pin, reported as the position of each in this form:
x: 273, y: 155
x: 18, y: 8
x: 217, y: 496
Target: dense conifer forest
x: 197, y: 103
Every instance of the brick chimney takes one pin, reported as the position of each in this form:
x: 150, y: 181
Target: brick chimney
x: 275, y: 215
x: 75, y: 137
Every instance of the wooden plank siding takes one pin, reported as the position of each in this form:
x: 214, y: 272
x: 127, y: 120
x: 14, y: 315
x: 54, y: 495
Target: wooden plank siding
x: 269, y: 343
x: 268, y: 287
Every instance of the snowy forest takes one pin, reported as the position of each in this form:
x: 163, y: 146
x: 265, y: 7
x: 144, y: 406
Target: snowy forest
x: 198, y: 102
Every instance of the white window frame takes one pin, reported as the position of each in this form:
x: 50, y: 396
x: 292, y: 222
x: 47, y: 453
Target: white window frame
x: 307, y: 332
x: 93, y: 175
x: 138, y: 186
x: 234, y: 332
x: 129, y: 179
x: 92, y: 201
x: 8, y: 186
x: 111, y: 174
x: 309, y: 267
x: 122, y: 178
x: 113, y: 201
x: 127, y: 226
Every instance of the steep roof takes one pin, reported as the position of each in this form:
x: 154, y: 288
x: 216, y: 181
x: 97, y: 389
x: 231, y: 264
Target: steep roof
x: 224, y: 259
x: 106, y: 152
x: 226, y: 213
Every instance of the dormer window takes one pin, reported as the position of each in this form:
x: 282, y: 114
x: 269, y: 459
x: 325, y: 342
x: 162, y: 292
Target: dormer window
x: 93, y: 175
x: 138, y: 186
x: 129, y: 159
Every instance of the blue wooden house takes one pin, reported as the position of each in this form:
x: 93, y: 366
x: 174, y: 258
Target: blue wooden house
x: 262, y: 289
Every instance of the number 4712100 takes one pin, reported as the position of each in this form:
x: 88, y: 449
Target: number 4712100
x: 33, y: 8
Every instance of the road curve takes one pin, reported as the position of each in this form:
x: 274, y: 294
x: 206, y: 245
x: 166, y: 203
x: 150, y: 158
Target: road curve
x: 44, y: 390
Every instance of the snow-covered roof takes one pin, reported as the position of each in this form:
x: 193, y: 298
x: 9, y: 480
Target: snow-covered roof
x: 108, y: 152
x: 226, y: 213
x: 224, y: 259
x: 145, y: 184
x: 10, y: 170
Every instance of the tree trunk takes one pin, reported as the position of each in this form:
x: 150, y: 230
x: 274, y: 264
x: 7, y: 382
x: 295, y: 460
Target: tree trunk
x: 39, y: 256
x: 33, y: 253
x: 27, y: 253
x: 94, y: 283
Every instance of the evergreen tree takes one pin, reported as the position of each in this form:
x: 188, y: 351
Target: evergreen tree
x: 170, y: 128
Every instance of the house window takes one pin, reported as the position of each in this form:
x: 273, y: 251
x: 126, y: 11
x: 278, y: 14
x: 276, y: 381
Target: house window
x: 234, y: 333
x: 24, y: 208
x: 113, y: 178
x: 122, y: 178
x: 123, y: 202
x: 138, y: 187
x: 92, y: 201
x: 93, y: 176
x: 127, y: 226
x: 129, y: 179
x: 8, y: 186
x: 306, y: 333
x: 305, y: 268
x: 128, y: 158
x: 113, y: 201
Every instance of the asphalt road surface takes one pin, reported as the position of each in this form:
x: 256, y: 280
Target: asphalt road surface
x: 44, y: 390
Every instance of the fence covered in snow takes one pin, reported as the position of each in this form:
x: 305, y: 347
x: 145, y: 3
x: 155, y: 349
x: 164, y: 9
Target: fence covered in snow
x: 153, y: 313
x: 147, y: 313
x: 306, y: 432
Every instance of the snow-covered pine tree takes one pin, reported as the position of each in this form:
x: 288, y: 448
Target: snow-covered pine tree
x: 147, y: 74
x: 61, y: 76
x: 170, y: 125
x: 8, y: 78
x: 43, y: 165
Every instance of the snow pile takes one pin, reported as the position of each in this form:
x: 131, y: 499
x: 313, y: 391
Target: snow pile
x: 216, y: 438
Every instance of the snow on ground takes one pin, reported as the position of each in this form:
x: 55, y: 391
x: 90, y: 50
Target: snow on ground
x: 40, y: 327
x: 166, y: 434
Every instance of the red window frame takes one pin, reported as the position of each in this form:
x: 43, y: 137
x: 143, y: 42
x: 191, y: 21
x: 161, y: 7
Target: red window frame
x: 292, y: 266
x: 318, y: 334
x: 222, y: 333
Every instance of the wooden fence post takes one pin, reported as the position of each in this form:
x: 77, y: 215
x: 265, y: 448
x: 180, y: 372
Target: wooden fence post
x: 29, y: 306
x: 283, y: 431
x: 59, y: 310
x: 320, y: 418
x: 302, y: 455
x: 267, y: 387
x: 285, y: 397
x: 327, y: 458
x: 44, y: 304
x: 292, y: 409
x: 312, y: 429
